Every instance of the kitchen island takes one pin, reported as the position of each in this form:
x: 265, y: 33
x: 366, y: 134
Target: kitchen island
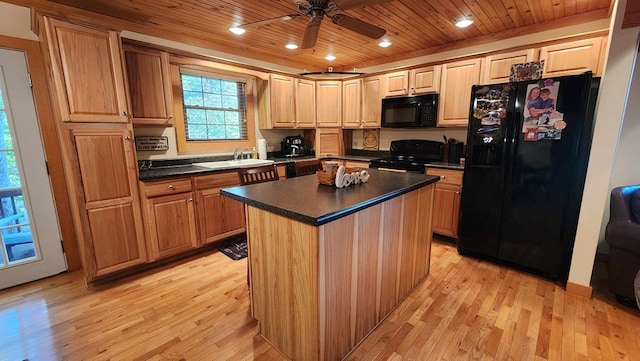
x: 328, y: 264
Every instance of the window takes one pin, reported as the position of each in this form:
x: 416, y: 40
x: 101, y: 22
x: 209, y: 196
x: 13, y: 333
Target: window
x: 214, y: 108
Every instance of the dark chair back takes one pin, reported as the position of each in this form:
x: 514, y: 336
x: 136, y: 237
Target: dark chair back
x: 261, y: 174
x: 306, y: 167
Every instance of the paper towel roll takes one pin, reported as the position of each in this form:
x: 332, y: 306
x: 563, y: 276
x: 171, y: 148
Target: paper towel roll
x: 262, y: 148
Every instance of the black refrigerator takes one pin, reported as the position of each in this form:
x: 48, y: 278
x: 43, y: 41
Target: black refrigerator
x: 528, y: 146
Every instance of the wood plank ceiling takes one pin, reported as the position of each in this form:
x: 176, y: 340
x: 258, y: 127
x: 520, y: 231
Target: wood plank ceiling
x: 416, y: 27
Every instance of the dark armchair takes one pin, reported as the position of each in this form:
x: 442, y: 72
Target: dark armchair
x: 623, y: 236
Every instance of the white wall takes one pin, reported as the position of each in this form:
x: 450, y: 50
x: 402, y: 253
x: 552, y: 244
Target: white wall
x: 610, y: 113
x: 15, y: 21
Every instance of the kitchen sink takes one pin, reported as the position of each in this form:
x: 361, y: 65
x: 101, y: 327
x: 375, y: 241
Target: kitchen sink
x: 240, y: 163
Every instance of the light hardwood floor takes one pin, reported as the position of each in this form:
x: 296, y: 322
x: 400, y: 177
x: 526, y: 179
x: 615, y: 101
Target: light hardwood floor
x: 198, y: 309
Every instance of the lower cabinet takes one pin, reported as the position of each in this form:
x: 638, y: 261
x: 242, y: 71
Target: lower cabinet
x: 446, y: 201
x: 106, y: 203
x: 218, y: 217
x: 170, y: 217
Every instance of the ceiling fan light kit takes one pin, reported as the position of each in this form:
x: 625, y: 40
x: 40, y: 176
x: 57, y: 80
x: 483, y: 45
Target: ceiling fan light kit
x: 385, y: 43
x: 291, y: 46
x: 237, y: 30
x: 330, y: 57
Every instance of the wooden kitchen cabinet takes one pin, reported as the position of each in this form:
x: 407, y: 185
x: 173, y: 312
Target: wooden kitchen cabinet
x: 107, y: 202
x: 329, y: 111
x: 351, y: 103
x: 87, y: 69
x: 218, y: 217
x: 305, y: 103
x: 362, y: 102
x: 497, y: 68
x: 396, y: 83
x: 446, y: 203
x: 424, y: 80
x: 328, y: 142
x: 356, y: 164
x: 575, y: 57
x: 170, y: 217
x: 149, y: 82
x: 282, y: 99
x: 455, y: 92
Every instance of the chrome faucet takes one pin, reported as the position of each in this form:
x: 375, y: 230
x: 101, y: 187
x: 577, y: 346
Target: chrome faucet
x: 237, y: 153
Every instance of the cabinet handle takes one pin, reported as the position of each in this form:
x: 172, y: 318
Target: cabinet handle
x: 457, y: 192
x: 442, y: 177
x: 170, y: 116
x: 170, y: 186
x: 126, y: 137
x: 190, y: 199
x: 124, y: 113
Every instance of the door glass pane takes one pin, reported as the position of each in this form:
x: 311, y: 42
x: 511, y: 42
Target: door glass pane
x: 15, y: 231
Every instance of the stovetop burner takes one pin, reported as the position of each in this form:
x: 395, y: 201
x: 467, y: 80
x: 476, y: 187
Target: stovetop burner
x: 410, y: 155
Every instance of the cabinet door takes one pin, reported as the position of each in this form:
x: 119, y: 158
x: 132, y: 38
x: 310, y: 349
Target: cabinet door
x: 356, y: 164
x: 329, y: 142
x: 149, y: 86
x: 87, y: 73
x: 218, y: 217
x: 571, y: 58
x: 112, y: 237
x: 455, y: 92
x: 424, y: 80
x: 171, y: 225
x: 497, y: 68
x: 305, y: 103
x: 329, y: 103
x: 282, y: 90
x: 371, y: 102
x: 397, y: 83
x: 446, y: 206
x: 351, y: 103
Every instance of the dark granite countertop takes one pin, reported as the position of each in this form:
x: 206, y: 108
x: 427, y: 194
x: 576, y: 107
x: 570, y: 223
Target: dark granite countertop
x: 455, y: 166
x: 305, y: 200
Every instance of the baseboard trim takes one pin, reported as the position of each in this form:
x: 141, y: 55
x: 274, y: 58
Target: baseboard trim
x: 580, y: 290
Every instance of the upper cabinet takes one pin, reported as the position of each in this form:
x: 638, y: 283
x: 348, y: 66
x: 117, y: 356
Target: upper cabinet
x: 371, y: 102
x: 329, y: 96
x: 414, y: 81
x: 282, y: 89
x: 286, y: 102
x: 497, y: 68
x: 305, y: 103
x: 149, y: 86
x: 455, y: 92
x: 87, y: 72
x: 351, y: 103
x: 424, y: 80
x: 362, y: 102
x: 396, y: 83
x: 571, y: 58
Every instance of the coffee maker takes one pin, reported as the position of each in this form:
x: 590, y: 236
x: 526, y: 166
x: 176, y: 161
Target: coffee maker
x: 452, y: 151
x: 293, y: 146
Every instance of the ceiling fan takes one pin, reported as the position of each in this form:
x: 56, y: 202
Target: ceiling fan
x: 318, y: 9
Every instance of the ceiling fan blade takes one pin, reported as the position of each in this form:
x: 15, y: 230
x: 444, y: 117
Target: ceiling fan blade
x: 311, y: 33
x: 352, y: 4
x: 268, y: 21
x: 358, y: 26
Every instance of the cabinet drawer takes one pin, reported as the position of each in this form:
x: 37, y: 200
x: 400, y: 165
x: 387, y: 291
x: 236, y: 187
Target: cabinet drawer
x: 446, y: 175
x: 217, y: 180
x: 165, y: 187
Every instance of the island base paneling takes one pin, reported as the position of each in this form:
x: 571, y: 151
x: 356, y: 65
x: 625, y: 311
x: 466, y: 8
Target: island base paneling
x: 317, y: 292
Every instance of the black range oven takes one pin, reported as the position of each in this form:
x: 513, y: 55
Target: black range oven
x: 410, y: 155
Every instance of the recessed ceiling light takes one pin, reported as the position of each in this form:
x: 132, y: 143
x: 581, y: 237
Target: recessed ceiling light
x: 464, y: 23
x: 385, y: 43
x: 330, y: 57
x: 237, y: 30
x: 291, y: 46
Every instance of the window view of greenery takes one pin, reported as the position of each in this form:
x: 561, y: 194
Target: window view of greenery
x: 16, y: 232
x: 214, y: 109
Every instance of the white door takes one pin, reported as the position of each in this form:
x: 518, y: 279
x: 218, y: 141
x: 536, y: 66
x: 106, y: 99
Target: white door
x: 29, y: 233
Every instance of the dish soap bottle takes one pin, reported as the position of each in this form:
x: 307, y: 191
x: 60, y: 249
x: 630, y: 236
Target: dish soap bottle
x: 254, y: 153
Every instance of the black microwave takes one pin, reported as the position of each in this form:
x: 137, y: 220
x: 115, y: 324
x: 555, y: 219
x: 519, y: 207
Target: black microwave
x: 410, y: 112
